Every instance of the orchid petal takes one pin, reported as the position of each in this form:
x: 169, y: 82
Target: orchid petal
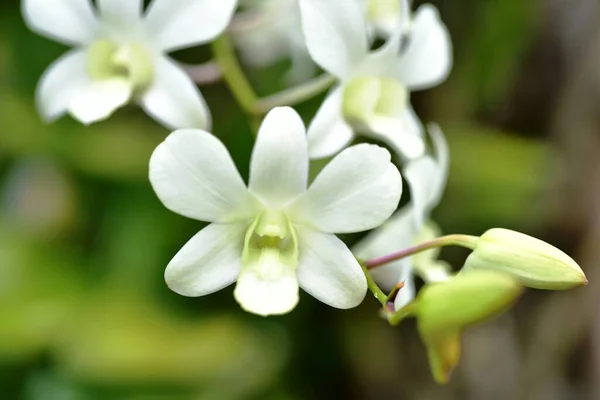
x: 193, y: 175
x: 121, y: 10
x: 358, y: 190
x: 173, y: 99
x: 178, y: 24
x: 335, y: 33
x: 209, y: 261
x: 99, y: 99
x: 279, y: 167
x: 61, y: 81
x: 328, y: 271
x: 404, y: 133
x: 427, y: 61
x: 329, y: 133
x: 66, y: 21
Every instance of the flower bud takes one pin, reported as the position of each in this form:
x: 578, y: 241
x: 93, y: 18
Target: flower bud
x: 445, y: 309
x: 535, y: 263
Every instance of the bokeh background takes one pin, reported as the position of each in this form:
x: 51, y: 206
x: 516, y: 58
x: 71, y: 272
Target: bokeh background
x: 84, y: 311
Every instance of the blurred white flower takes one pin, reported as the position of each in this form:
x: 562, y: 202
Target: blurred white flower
x: 373, y: 95
x: 120, y: 56
x: 270, y: 31
x: 426, y: 177
x: 276, y: 235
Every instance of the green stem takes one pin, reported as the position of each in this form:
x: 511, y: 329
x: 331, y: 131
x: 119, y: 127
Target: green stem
x: 449, y: 240
x: 296, y: 94
x: 377, y: 292
x: 395, y: 318
x: 233, y: 73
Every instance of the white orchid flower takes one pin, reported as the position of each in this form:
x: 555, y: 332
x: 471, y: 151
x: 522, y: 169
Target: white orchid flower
x: 120, y: 56
x: 269, y: 31
x: 427, y: 178
x: 373, y: 95
x: 276, y: 235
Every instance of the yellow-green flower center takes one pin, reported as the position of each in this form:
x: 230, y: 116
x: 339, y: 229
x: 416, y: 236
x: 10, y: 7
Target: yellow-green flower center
x: 267, y: 284
x: 272, y: 235
x: 368, y: 97
x: 378, y: 10
x: 129, y: 62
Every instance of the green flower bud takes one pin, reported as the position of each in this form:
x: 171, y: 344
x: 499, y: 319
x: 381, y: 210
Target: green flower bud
x: 444, y: 310
x: 535, y: 263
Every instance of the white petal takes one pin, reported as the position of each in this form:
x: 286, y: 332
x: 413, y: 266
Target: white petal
x: 279, y: 167
x: 421, y: 175
x: 335, y: 33
x: 427, y: 177
x: 121, y: 10
x: 174, y: 100
x: 408, y: 291
x: 178, y: 24
x: 60, y: 82
x: 328, y: 271
x: 268, y: 287
x: 66, y: 21
x: 358, y: 190
x: 209, y: 261
x: 403, y: 133
x: 193, y: 175
x: 384, y: 60
x: 442, y: 155
x: 395, y: 234
x: 427, y: 60
x: 328, y: 133
x: 99, y: 99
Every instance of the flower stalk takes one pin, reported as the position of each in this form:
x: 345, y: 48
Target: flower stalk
x: 296, y: 94
x: 233, y: 73
x: 373, y: 287
x: 394, y: 318
x: 467, y: 241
